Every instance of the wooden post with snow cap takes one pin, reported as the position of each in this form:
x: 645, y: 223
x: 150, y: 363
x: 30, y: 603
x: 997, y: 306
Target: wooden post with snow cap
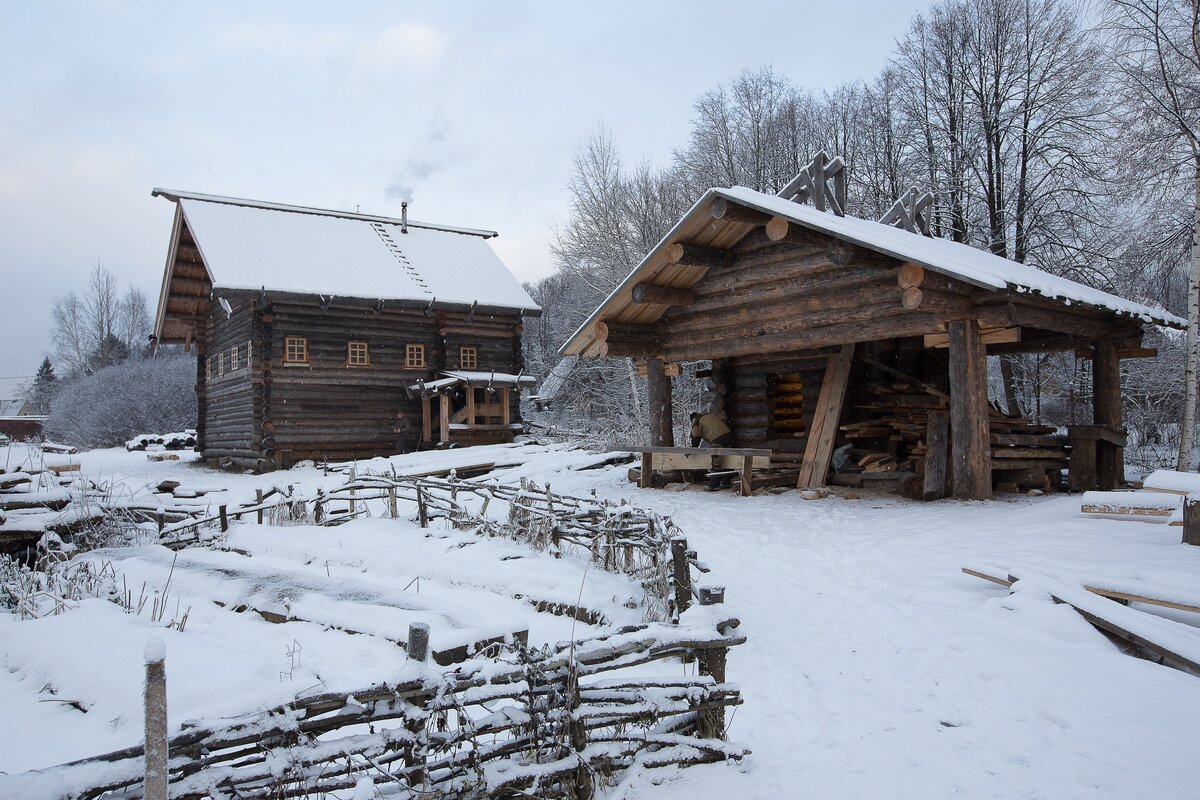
x: 417, y: 647
x: 154, y: 784
x: 712, y: 662
x: 418, y: 641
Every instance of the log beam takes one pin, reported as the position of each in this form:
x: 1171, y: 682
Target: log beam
x: 649, y: 293
x: 727, y: 211
x: 694, y: 255
x: 658, y: 395
x: 971, y: 473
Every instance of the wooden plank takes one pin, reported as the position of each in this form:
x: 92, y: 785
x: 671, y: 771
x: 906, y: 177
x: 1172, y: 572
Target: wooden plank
x: 426, y: 421
x: 505, y: 406
x: 646, y: 479
x: 745, y: 486
x: 937, y: 456
x: 444, y: 418
x: 470, y: 409
x: 819, y: 449
x: 1098, y: 589
x: 971, y: 475
x: 988, y: 335
x: 711, y: 451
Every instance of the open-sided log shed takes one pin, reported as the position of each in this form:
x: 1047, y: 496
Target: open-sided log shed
x: 825, y: 329
x: 310, y: 325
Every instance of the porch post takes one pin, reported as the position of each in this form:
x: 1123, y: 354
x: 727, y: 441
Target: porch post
x: 1106, y: 411
x: 658, y: 391
x: 970, y: 444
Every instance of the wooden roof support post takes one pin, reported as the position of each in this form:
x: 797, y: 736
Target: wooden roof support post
x: 658, y: 395
x: 1106, y: 411
x: 818, y: 451
x: 444, y: 418
x: 970, y: 448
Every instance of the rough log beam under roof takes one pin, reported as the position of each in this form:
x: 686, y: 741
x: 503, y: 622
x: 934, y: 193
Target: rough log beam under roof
x: 662, y: 295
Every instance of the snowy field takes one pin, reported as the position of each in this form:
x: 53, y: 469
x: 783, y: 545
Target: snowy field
x: 874, y: 667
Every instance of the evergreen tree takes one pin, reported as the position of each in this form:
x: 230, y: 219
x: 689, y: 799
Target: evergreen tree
x: 45, y: 386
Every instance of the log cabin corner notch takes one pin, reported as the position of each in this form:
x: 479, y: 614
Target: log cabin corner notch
x: 775, y: 292
x: 360, y: 307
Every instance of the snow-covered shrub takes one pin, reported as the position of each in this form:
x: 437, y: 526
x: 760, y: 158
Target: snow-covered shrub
x: 116, y: 403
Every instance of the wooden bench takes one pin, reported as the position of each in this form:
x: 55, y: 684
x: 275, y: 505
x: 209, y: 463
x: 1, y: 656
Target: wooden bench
x: 699, y: 458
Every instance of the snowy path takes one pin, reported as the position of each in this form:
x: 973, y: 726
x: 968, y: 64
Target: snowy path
x: 875, y: 668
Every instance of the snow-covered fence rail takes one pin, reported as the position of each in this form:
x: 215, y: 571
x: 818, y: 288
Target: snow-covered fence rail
x: 538, y: 721
x: 617, y: 537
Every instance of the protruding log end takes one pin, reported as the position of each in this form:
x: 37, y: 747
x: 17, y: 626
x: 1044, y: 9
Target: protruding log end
x: 777, y: 228
x: 910, y: 275
x: 726, y: 211
x: 912, y: 298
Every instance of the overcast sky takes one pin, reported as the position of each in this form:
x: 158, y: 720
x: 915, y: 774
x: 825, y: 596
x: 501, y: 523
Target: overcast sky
x: 472, y: 111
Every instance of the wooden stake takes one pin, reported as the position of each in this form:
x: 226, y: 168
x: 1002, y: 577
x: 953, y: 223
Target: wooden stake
x: 154, y: 785
x: 224, y: 519
x: 418, y: 642
x: 683, y: 574
x: 258, y: 498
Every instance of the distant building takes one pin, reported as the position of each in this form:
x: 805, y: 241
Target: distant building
x: 17, y: 417
x: 333, y: 335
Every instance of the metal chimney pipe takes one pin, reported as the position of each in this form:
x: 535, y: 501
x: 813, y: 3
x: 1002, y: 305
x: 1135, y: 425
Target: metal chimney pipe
x: 404, y: 217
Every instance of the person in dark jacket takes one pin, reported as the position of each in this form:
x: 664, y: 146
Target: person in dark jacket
x: 712, y: 429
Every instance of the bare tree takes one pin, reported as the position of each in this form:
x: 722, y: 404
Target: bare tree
x: 1156, y: 46
x: 90, y: 327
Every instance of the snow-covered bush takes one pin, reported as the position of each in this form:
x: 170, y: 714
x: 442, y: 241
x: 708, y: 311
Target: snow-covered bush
x: 116, y: 403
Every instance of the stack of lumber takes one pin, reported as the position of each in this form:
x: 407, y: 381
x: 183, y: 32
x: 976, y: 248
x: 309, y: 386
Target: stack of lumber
x: 1159, y: 500
x: 894, y: 437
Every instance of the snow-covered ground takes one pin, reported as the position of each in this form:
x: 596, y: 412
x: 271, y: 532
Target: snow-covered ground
x: 874, y: 667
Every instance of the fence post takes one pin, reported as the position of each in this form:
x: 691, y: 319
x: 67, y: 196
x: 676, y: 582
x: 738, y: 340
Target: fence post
x: 154, y: 784
x: 392, y: 502
x: 1191, y: 521
x: 318, y: 507
x: 224, y: 519
x: 160, y: 519
x: 353, y: 502
x: 577, y: 731
x: 422, y: 514
x: 418, y: 650
x: 683, y: 574
x: 258, y: 499
x: 418, y: 641
x: 712, y: 662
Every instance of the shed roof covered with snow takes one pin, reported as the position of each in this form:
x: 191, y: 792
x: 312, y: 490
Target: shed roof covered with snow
x: 224, y: 242
x: 961, y: 263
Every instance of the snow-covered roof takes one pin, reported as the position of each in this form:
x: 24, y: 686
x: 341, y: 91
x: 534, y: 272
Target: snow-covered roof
x: 248, y: 244
x: 953, y: 259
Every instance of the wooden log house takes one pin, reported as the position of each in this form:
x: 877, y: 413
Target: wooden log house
x: 824, y: 330
x: 311, y: 326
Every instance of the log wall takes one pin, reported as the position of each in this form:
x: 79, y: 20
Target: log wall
x: 271, y: 412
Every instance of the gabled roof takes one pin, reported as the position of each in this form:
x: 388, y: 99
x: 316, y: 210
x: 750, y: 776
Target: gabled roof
x: 248, y: 244
x: 952, y: 259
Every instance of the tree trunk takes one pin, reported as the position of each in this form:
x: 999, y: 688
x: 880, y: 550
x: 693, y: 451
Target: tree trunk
x: 1188, y: 424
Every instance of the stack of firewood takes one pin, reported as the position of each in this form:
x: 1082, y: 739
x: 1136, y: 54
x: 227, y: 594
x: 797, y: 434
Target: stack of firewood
x: 894, y: 437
